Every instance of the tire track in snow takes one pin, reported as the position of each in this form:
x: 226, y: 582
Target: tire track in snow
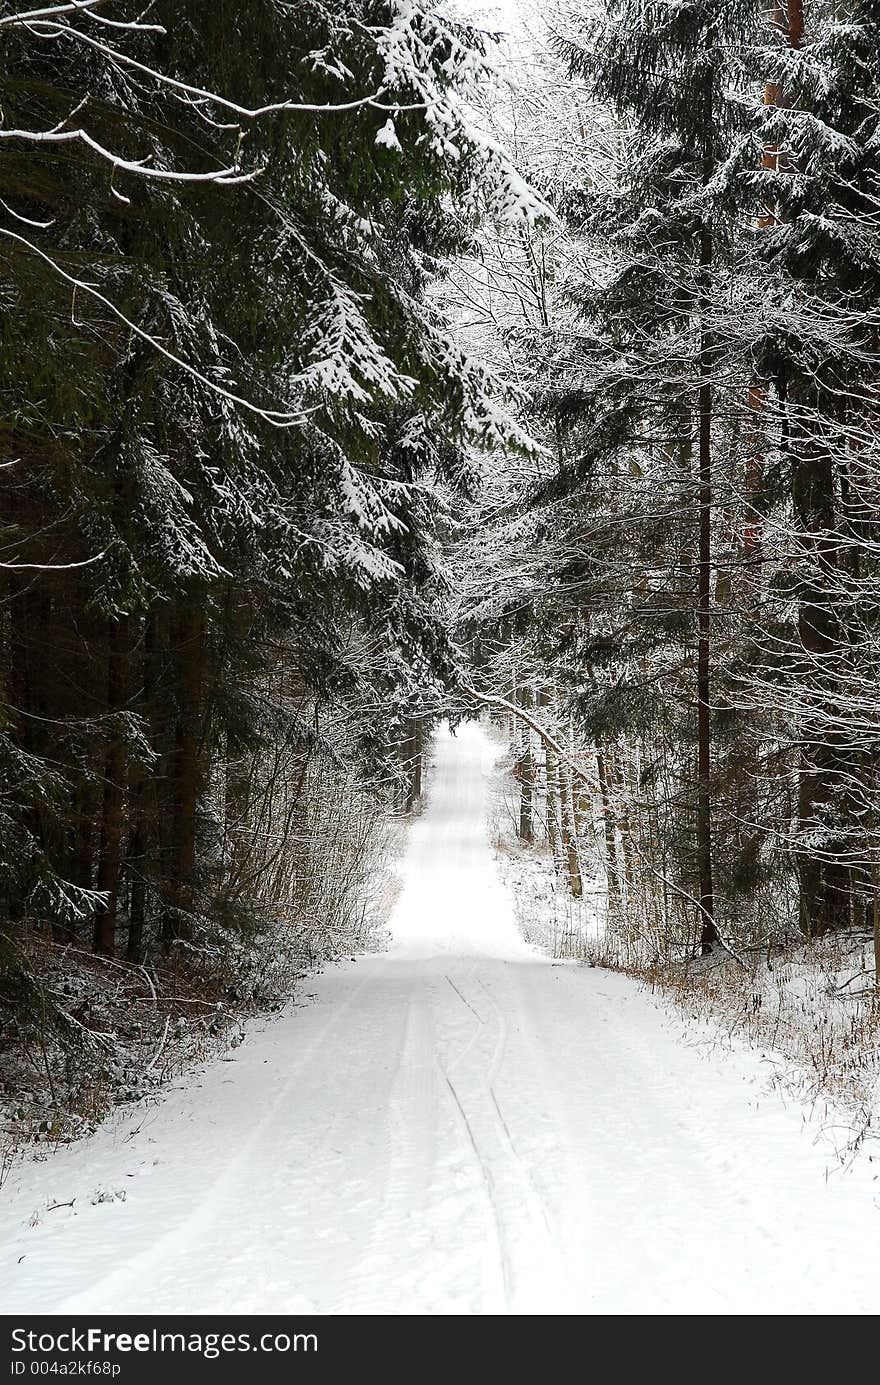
x: 501, y: 1282
x: 536, y: 1201
x: 503, y: 1291
x: 183, y: 1234
x: 530, y: 1261
x: 463, y: 1000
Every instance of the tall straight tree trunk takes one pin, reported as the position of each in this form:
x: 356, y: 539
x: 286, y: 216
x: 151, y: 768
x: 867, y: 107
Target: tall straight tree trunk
x: 526, y: 771
x: 825, y: 894
x: 628, y: 878
x: 551, y: 779
x: 29, y: 608
x: 554, y: 835
x: 190, y: 658
x: 875, y: 902
x: 413, y: 763
x: 84, y: 817
x: 137, y: 851
x: 612, y: 863
x: 141, y: 837
x: 612, y: 868
x: 419, y: 761
x: 567, y: 826
x: 824, y: 878
x: 236, y: 788
x: 708, y: 930
x: 513, y: 720
x: 112, y: 808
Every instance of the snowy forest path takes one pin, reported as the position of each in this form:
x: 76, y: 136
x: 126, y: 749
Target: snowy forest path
x: 457, y: 1125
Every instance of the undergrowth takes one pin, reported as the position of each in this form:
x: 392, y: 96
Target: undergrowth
x: 809, y: 1010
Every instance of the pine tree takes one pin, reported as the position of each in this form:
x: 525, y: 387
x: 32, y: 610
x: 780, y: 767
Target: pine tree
x: 816, y: 347
x: 666, y: 72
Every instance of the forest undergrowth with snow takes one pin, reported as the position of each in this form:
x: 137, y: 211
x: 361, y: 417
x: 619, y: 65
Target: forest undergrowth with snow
x: 805, y: 1011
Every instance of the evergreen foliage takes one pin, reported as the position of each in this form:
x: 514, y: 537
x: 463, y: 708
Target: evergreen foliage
x: 232, y: 414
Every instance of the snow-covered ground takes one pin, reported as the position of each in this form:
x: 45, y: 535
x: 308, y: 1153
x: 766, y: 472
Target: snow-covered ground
x: 459, y: 1125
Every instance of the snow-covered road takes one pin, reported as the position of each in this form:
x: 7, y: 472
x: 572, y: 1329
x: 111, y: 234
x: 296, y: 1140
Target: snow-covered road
x: 456, y: 1126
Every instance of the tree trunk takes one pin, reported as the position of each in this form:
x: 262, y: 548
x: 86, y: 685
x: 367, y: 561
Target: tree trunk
x: 141, y: 837
x: 551, y: 779
x: 708, y: 931
x: 567, y: 827
x: 612, y: 862
x: 612, y: 869
x: 137, y: 851
x: 413, y: 763
x: 418, y: 759
x: 824, y: 903
x: 236, y: 790
x: 113, y: 805
x: 526, y: 771
x: 190, y: 659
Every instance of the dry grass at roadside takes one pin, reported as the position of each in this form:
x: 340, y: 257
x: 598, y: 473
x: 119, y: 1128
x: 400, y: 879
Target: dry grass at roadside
x: 809, y: 1010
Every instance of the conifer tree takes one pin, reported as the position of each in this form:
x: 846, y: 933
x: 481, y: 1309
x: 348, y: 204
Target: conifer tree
x: 232, y: 414
x: 654, y: 359
x: 800, y: 181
